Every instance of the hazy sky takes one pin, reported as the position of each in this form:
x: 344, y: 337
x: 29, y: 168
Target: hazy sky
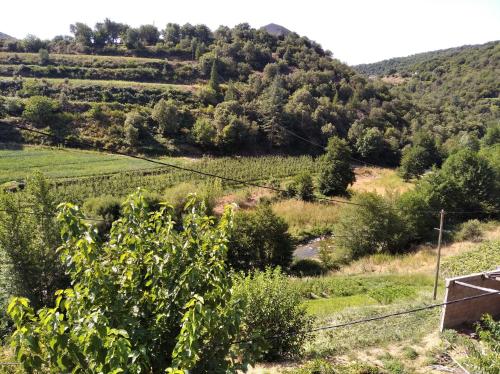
x: 356, y: 31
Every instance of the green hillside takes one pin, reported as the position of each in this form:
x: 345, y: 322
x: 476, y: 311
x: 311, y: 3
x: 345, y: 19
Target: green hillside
x: 406, y: 65
x: 455, y: 97
x: 197, y: 91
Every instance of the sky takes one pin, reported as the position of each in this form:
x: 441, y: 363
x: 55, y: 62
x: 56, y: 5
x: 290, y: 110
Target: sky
x: 356, y: 31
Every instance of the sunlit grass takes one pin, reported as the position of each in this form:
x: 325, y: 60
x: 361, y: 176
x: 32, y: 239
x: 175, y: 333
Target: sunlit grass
x: 307, y: 218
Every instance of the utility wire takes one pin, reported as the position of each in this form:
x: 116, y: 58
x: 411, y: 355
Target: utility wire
x: 375, y: 318
x: 355, y: 322
x: 207, y: 174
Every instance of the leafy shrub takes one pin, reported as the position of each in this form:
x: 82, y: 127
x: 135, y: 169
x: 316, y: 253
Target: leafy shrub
x: 148, y: 299
x: 166, y: 116
x: 208, y: 192
x: 303, y: 187
x: 333, y: 256
x: 373, y: 227
x: 470, y: 230
x: 107, y: 207
x: 482, y: 354
x: 274, y: 318
x: 414, y: 162
x: 14, y: 106
x: 307, y: 268
x: 40, y: 110
x: 259, y: 239
x: 336, y: 172
x: 29, y: 240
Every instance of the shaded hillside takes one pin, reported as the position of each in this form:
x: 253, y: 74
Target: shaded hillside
x: 6, y: 37
x: 406, y: 65
x: 455, y: 96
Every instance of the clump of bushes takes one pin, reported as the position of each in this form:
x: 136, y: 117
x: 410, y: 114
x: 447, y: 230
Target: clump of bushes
x: 274, y: 317
x: 259, y: 239
x: 371, y: 226
x: 334, y: 256
x: 470, y: 230
x: 307, y: 268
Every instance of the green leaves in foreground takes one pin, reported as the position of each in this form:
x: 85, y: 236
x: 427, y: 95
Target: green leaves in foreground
x: 152, y: 298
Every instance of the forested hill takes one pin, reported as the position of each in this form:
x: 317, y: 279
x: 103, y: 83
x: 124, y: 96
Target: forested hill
x: 408, y: 65
x: 190, y: 89
x: 455, y: 97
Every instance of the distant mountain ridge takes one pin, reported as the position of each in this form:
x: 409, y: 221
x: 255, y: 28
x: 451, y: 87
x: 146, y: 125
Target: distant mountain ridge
x: 404, y: 65
x: 276, y: 30
x: 5, y: 36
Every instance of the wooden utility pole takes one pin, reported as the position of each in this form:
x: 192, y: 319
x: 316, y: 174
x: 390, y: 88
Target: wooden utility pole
x: 441, y: 222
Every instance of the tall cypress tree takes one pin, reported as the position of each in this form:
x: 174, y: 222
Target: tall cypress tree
x: 272, y: 111
x: 214, y: 77
x: 230, y: 92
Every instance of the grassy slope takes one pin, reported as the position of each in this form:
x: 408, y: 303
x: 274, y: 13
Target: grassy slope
x: 110, y: 83
x: 33, y: 58
x: 410, y: 342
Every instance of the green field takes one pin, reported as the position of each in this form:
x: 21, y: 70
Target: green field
x: 65, y: 163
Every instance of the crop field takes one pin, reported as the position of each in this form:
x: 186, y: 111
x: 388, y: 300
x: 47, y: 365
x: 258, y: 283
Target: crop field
x: 64, y: 163
x: 86, y: 173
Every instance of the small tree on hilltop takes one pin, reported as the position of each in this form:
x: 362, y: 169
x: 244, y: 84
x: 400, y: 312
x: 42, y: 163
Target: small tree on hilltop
x: 336, y: 173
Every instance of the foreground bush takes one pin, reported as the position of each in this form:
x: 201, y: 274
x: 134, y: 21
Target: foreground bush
x: 29, y: 238
x: 274, y: 318
x: 148, y: 299
x: 482, y: 356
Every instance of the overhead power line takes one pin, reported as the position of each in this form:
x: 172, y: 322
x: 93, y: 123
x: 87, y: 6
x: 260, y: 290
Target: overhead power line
x: 157, y: 162
x: 375, y: 318
x: 199, y: 172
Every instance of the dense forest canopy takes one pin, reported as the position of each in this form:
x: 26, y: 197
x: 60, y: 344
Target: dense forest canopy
x: 406, y: 65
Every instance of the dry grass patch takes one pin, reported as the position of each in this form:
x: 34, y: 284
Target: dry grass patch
x: 422, y: 260
x: 379, y: 180
x: 307, y: 218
